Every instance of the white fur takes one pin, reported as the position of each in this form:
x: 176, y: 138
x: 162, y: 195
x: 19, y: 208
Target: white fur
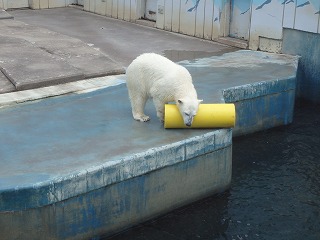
x: 153, y: 76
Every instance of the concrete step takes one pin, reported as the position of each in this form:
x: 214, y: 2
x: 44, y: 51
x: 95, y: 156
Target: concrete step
x: 235, y: 42
x: 146, y: 23
x: 5, y: 15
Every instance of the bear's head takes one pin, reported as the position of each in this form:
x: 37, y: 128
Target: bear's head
x: 188, y: 108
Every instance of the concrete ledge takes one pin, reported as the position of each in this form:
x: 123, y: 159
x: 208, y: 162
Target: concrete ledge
x: 262, y: 105
x: 24, y: 197
x: 259, y: 89
x: 120, y: 193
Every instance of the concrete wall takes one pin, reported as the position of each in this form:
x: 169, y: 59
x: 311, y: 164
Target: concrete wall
x: 204, y: 19
x: 210, y: 19
x: 270, y: 17
x: 307, y: 45
x: 262, y: 105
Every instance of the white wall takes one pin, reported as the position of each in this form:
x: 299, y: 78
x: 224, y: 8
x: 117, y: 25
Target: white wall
x: 128, y: 10
x: 35, y: 4
x: 269, y: 19
x: 5, y: 4
x: 40, y: 4
x: 204, y: 19
x: 210, y: 19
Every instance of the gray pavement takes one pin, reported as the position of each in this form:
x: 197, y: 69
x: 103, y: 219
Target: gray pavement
x: 32, y: 57
x: 46, y: 47
x: 121, y: 41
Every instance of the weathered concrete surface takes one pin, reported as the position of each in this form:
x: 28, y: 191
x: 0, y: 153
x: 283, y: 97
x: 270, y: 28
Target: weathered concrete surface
x: 32, y: 66
x: 32, y: 57
x: 79, y: 165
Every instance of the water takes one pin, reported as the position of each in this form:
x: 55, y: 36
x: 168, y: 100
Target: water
x: 275, y: 191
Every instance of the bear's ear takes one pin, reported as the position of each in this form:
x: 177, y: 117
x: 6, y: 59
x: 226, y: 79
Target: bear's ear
x: 180, y: 101
x: 200, y: 101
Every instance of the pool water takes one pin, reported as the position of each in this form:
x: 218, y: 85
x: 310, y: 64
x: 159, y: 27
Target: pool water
x: 275, y: 191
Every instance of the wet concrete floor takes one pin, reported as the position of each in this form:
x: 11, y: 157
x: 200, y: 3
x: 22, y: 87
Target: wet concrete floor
x: 275, y: 191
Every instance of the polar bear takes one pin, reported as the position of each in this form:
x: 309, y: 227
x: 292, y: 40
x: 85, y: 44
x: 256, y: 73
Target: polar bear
x: 153, y: 76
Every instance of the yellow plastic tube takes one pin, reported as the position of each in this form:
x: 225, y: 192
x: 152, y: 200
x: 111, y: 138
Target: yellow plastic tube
x: 209, y: 116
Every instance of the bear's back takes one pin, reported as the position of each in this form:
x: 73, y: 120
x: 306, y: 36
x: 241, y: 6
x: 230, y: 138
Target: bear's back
x: 154, y: 62
x: 153, y: 70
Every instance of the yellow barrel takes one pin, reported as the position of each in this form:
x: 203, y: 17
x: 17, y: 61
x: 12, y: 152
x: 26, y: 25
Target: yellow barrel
x: 209, y: 116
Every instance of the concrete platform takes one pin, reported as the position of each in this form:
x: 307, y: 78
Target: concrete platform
x: 78, y: 166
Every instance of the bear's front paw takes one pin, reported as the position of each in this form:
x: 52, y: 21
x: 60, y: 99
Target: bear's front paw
x: 143, y: 118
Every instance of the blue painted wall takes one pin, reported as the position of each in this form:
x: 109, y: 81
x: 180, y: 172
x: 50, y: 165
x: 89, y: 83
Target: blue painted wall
x: 307, y: 45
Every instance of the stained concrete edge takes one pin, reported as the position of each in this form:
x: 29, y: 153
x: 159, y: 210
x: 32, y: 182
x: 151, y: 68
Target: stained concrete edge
x: 259, y: 89
x: 262, y: 105
x: 113, y: 171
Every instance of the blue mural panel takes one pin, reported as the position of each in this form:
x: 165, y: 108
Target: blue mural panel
x: 307, y: 15
x: 240, y: 18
